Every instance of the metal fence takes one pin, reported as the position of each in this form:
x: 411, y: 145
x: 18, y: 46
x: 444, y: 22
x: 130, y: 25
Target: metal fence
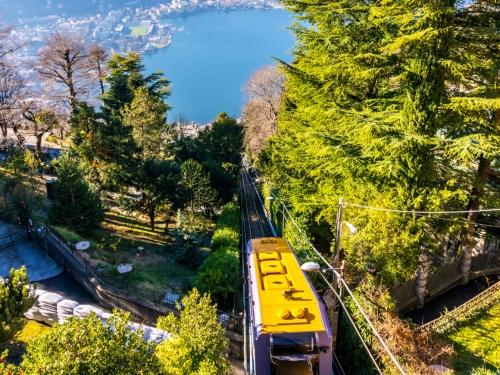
x: 228, y: 319
x: 12, y: 229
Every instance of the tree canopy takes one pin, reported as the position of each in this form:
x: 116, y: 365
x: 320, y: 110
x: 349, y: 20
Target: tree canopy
x: 197, y: 343
x: 387, y: 104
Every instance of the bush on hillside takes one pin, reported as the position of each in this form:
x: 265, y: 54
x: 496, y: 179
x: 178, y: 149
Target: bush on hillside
x: 15, y: 300
x: 225, y: 237
x: 75, y: 206
x: 219, y: 275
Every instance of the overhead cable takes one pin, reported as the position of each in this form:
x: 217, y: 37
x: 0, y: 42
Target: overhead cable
x: 420, y: 212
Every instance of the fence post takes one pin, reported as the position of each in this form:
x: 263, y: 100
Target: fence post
x: 425, y: 262
x: 468, y: 244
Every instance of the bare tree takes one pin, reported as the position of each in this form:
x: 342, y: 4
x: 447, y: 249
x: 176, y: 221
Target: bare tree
x: 97, y: 64
x: 40, y: 122
x: 7, y: 44
x: 12, y: 86
x: 63, y: 62
x: 264, y: 91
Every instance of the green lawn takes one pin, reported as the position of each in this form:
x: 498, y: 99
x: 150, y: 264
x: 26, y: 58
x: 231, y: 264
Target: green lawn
x: 31, y: 330
x: 138, y: 30
x: 478, y: 343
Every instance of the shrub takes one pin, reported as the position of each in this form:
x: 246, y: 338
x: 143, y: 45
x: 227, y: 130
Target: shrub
x: 219, y: 275
x: 86, y: 346
x: 197, y: 344
x: 225, y: 237
x: 188, y: 251
x: 15, y: 300
x: 227, y: 230
x: 230, y: 217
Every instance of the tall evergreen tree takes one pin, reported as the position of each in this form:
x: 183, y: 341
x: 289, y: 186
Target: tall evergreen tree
x: 364, y: 116
x: 147, y: 116
x: 158, y: 183
x: 106, y: 146
x: 75, y: 206
x: 198, y: 192
x: 126, y: 76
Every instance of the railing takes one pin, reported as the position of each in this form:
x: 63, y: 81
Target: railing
x: 228, y: 320
x: 464, y: 313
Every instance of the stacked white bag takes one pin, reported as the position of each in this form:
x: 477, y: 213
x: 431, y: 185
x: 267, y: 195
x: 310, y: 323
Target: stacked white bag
x: 82, y: 311
x: 65, y: 310
x: 33, y: 313
x: 48, y: 307
x: 157, y: 335
x: 53, y: 308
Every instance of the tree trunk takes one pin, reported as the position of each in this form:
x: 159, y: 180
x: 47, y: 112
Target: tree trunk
x: 38, y: 147
x: 99, y: 71
x: 467, y: 240
x: 152, y: 217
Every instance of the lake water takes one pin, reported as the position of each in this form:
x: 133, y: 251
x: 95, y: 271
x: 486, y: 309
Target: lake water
x: 213, y: 57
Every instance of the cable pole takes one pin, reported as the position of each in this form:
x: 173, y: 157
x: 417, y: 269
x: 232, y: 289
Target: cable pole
x: 338, y: 235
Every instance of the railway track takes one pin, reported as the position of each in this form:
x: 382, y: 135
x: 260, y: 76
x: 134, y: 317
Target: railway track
x: 256, y: 223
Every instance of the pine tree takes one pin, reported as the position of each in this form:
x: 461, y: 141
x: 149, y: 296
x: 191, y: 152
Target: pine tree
x: 126, y: 76
x: 362, y: 119
x: 199, y: 194
x: 147, y: 116
x: 75, y: 206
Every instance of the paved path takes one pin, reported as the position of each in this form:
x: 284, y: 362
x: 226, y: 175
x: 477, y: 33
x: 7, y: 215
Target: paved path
x: 450, y: 299
x: 67, y: 287
x: 38, y: 264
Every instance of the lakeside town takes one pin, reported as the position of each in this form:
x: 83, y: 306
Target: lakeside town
x: 131, y: 29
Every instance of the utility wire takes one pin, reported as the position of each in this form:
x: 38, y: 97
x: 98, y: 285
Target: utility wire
x: 420, y: 212
x: 353, y: 325
x: 463, y: 222
x: 370, y: 324
x: 291, y: 219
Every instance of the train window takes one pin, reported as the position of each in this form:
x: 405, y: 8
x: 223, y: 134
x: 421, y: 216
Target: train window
x: 294, y: 343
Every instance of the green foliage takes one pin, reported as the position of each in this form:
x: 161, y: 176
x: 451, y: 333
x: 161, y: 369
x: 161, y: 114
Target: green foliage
x: 227, y: 229
x: 86, y: 346
x: 198, y: 192
x: 197, y: 343
x: 67, y: 235
x: 219, y: 275
x: 382, y: 102
x: 15, y: 300
x: 225, y: 238
x: 218, y: 148
x: 105, y: 145
x: 147, y: 116
x: 158, y: 183
x: 188, y: 248
x: 75, y: 206
x: 126, y: 76
x: 15, y: 159
x: 467, y: 313
x: 31, y: 162
x: 476, y: 344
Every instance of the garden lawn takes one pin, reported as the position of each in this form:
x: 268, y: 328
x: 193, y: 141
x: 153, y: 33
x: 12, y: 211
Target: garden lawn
x: 477, y: 344
x: 31, y: 330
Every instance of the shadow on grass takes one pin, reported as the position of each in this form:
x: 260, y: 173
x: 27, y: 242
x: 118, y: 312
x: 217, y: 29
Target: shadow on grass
x: 477, y: 344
